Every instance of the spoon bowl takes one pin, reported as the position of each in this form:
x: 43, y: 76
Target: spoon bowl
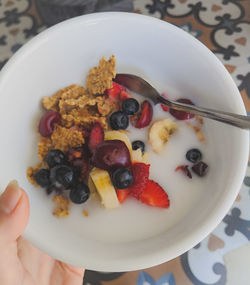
x: 142, y: 87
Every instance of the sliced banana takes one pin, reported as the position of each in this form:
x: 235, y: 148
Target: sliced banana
x: 138, y: 156
x: 160, y: 132
x: 116, y: 135
x: 105, y: 188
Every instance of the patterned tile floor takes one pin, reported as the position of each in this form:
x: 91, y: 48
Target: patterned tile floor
x: 224, y: 27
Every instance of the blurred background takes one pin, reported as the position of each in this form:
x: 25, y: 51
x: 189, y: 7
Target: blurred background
x: 224, y: 27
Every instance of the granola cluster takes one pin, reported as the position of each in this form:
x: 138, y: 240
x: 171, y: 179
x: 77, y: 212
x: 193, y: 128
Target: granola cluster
x: 79, y: 109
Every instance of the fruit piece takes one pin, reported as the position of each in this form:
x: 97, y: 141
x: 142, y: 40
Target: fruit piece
x: 118, y: 120
x: 117, y: 135
x: 42, y: 178
x: 96, y: 136
x: 185, y: 170
x: 111, y: 154
x: 124, y: 95
x: 114, y: 91
x: 130, y: 106
x: 165, y: 108
x: 138, y: 144
x: 180, y: 115
x: 55, y: 157
x: 200, y: 168
x: 105, y: 188
x: 79, y: 159
x: 91, y: 186
x: 138, y: 156
x: 122, y: 178
x: 160, y: 133
x: 79, y: 193
x: 140, y: 173
x: 62, y: 176
x: 122, y: 194
x: 194, y: 155
x: 154, y: 195
x: 48, y: 122
x: 145, y: 116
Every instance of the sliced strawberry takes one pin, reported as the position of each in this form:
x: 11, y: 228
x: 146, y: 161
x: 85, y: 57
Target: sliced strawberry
x: 114, y: 91
x: 145, y: 116
x: 140, y: 173
x: 164, y: 107
x: 122, y: 194
x: 180, y: 115
x: 125, y: 95
x: 185, y: 170
x: 154, y: 195
x: 96, y: 136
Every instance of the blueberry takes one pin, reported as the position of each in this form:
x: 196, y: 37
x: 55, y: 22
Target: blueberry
x: 79, y: 193
x: 62, y: 176
x: 55, y: 157
x: 42, y: 177
x: 138, y: 144
x: 119, y: 120
x: 122, y: 178
x: 130, y: 106
x: 200, y: 168
x: 194, y: 155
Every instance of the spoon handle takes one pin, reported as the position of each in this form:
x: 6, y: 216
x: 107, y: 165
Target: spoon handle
x: 239, y: 121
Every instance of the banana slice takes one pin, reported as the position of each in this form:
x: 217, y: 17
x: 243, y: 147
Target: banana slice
x: 116, y: 135
x: 138, y: 156
x: 160, y: 132
x: 105, y: 188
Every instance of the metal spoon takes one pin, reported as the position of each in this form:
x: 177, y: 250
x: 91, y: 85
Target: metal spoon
x: 142, y: 87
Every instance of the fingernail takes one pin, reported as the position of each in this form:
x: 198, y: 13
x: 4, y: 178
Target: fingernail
x: 10, y: 197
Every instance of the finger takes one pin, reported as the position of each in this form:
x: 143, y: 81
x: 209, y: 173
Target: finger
x: 14, y: 213
x: 66, y: 274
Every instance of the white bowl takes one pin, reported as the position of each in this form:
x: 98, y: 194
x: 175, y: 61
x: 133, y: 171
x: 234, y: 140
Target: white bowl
x: 134, y: 236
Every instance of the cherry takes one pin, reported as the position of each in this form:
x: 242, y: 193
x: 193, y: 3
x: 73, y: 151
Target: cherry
x: 180, y: 115
x: 47, y: 123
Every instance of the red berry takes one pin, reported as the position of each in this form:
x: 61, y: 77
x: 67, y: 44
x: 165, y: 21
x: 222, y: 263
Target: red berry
x: 48, y: 122
x: 122, y: 194
x: 154, y: 195
x: 111, y: 154
x: 114, y: 91
x: 145, y: 116
x: 96, y: 136
x: 125, y: 95
x: 165, y: 108
x: 185, y: 170
x: 180, y: 115
x: 140, y: 173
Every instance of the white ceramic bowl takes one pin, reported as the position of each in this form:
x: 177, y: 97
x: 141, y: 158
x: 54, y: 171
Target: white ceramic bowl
x: 132, y: 237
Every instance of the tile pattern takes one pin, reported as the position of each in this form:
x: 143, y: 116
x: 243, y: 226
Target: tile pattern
x: 224, y: 27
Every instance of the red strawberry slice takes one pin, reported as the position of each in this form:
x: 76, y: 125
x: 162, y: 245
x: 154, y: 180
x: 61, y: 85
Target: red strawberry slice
x: 154, y: 195
x: 180, y: 115
x: 96, y: 136
x: 114, y: 91
x: 165, y: 108
x: 140, y: 173
x: 122, y: 194
x: 145, y: 116
x: 125, y: 95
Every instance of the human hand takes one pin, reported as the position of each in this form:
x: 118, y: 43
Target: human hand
x: 20, y: 262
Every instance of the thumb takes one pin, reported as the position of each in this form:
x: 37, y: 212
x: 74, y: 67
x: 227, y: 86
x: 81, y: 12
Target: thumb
x: 14, y: 213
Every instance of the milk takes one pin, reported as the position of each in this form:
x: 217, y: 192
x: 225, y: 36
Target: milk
x: 133, y: 220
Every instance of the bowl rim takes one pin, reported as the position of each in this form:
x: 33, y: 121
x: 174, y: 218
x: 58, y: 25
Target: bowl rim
x: 164, y: 254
